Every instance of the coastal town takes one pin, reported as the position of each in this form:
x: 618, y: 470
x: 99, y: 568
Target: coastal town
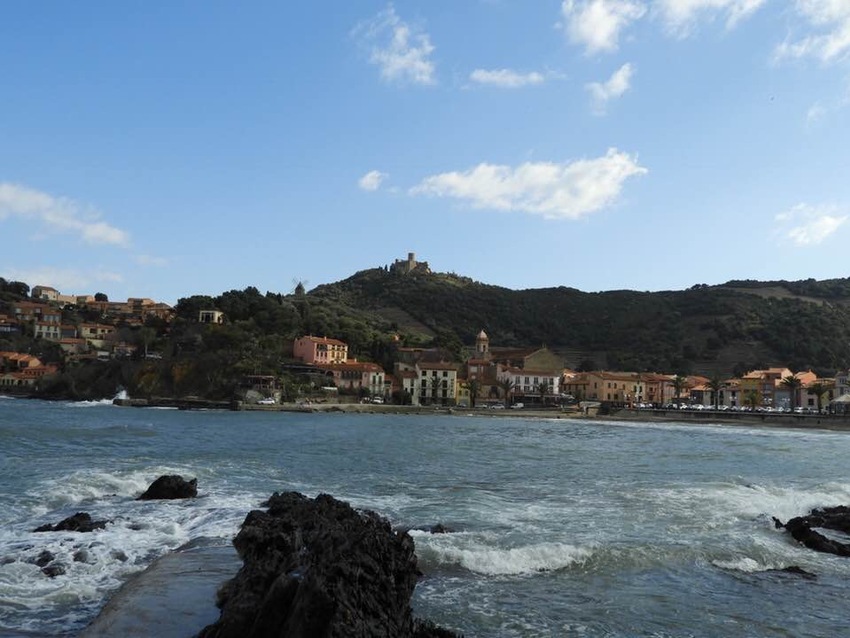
x: 486, y: 375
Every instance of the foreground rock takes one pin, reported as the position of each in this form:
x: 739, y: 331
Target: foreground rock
x: 802, y: 528
x: 170, y: 486
x: 316, y: 568
x: 79, y: 522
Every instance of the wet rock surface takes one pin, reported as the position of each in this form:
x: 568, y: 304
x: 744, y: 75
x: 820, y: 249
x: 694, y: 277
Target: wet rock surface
x: 170, y: 486
x: 802, y: 529
x: 79, y: 522
x: 317, y: 568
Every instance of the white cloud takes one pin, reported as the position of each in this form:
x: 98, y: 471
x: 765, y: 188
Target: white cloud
x: 372, y: 180
x: 400, y: 51
x: 554, y: 191
x: 66, y: 280
x: 505, y: 78
x: 57, y: 214
x: 602, y: 92
x: 151, y: 260
x: 681, y: 16
x: 830, y: 21
x: 807, y: 225
x: 596, y: 24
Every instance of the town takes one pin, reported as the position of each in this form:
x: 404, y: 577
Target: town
x: 484, y: 375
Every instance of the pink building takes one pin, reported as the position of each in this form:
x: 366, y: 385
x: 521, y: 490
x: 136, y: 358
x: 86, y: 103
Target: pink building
x: 320, y: 350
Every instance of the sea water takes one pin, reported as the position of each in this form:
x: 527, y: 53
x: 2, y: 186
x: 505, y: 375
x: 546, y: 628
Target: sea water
x: 559, y: 527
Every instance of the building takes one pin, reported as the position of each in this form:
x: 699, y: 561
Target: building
x: 45, y: 293
x: 357, y: 376
x: 211, y: 316
x: 409, y: 265
x: 437, y: 382
x: 319, y: 350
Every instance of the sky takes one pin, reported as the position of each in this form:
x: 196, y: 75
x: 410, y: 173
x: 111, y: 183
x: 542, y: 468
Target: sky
x: 165, y: 149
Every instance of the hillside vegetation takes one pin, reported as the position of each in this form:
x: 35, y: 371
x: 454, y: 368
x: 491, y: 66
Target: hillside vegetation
x: 803, y: 324
x: 723, y: 330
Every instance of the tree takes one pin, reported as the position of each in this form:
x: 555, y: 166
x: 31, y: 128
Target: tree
x: 474, y: 388
x: 751, y: 398
x: 543, y: 390
x: 716, y: 384
x: 793, y: 385
x: 679, y: 384
x: 819, y: 388
x: 100, y: 296
x: 507, y: 386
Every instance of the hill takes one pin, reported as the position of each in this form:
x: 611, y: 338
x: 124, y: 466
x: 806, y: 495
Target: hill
x: 804, y: 324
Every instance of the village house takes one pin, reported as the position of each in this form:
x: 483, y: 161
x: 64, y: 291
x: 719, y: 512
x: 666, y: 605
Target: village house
x: 211, y: 316
x: 357, y: 376
x: 320, y: 350
x: 21, y: 370
x: 44, y: 293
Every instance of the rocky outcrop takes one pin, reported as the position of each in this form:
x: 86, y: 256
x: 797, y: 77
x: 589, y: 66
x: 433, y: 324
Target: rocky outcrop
x: 170, y: 486
x: 317, y: 568
x: 79, y: 522
x: 802, y: 528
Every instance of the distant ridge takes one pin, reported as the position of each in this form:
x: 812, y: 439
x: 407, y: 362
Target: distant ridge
x: 709, y: 329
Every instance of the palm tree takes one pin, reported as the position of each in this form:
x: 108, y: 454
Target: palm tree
x: 474, y: 388
x: 507, y: 387
x: 542, y: 390
x: 716, y: 384
x: 679, y: 384
x: 751, y: 398
x: 819, y: 388
x: 793, y: 385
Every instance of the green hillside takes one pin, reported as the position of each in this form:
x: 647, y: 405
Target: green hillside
x: 702, y: 329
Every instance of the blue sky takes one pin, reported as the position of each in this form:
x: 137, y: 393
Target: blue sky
x: 164, y: 149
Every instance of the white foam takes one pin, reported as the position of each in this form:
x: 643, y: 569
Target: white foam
x: 89, y: 404
x: 473, y: 553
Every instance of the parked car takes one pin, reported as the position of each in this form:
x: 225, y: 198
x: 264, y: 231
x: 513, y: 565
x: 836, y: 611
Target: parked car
x: 518, y: 406
x: 377, y: 399
x: 266, y: 401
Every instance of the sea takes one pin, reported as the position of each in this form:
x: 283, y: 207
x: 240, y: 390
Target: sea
x: 561, y: 527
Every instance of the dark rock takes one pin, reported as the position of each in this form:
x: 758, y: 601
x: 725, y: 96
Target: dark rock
x: 170, y: 486
x: 79, y: 522
x: 802, y: 529
x: 118, y: 555
x: 318, y: 568
x: 82, y: 556
x: 53, y: 570
x: 794, y: 570
x: 44, y: 558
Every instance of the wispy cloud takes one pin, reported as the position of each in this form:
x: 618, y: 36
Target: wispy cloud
x: 597, y: 24
x: 808, y: 225
x: 66, y: 280
x: 399, y: 50
x: 151, y: 260
x: 681, y: 16
x: 57, y: 214
x: 505, y: 78
x: 603, y: 92
x: 372, y: 180
x: 555, y: 191
x: 829, y: 39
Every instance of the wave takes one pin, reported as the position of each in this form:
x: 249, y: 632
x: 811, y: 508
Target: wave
x: 474, y: 554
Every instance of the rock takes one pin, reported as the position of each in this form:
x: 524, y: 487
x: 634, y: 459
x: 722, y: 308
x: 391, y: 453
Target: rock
x: 82, y: 556
x: 170, y: 486
x: 79, y: 522
x: 53, y: 570
x: 802, y: 530
x: 319, y: 568
x: 44, y: 558
x: 794, y: 570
